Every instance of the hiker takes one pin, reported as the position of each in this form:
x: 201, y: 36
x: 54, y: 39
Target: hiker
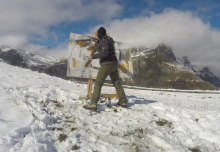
x: 109, y: 63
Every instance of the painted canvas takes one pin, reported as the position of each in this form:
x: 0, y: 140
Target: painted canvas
x: 82, y: 46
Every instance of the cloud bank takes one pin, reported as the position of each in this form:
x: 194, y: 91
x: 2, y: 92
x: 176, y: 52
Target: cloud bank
x: 25, y: 21
x: 183, y: 31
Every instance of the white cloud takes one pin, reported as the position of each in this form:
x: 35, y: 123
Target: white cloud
x: 186, y: 33
x: 61, y: 51
x: 22, y: 21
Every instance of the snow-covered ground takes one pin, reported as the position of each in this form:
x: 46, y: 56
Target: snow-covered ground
x: 40, y: 113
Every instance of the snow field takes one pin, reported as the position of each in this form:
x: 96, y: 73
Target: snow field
x: 38, y: 114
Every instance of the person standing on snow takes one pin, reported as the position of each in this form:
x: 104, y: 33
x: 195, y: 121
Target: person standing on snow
x: 108, y: 62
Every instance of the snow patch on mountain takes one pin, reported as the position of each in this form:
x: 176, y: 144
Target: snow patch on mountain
x: 185, y: 63
x: 5, y: 48
x: 141, y: 50
x: 199, y: 70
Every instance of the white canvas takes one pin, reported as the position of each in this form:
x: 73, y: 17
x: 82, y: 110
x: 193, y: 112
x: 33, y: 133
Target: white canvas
x: 81, y: 47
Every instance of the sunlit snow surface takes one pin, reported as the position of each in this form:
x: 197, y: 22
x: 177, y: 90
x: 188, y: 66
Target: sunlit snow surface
x: 31, y: 120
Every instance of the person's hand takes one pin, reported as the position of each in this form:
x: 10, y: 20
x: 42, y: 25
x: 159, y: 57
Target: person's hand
x: 90, y: 57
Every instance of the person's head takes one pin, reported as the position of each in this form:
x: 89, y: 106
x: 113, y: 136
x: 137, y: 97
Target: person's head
x: 101, y: 32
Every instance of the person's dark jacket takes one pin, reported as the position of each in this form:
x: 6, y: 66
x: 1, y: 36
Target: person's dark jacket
x: 106, y: 51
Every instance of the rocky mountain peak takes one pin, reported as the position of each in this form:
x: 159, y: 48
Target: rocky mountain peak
x: 164, y: 54
x: 185, y: 61
x: 159, y: 68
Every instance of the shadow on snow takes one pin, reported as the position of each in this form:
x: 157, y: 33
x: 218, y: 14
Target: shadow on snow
x: 137, y: 100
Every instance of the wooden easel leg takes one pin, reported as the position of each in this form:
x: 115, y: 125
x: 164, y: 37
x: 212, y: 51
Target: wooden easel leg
x: 89, y: 91
x: 116, y: 94
x: 89, y: 88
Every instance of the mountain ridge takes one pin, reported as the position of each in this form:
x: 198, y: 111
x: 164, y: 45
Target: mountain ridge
x: 163, y: 61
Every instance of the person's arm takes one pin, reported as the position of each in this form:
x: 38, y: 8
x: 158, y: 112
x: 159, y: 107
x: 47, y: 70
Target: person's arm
x: 104, y: 52
x: 95, y: 45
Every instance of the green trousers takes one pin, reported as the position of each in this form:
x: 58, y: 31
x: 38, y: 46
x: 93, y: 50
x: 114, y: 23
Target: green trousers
x: 104, y: 71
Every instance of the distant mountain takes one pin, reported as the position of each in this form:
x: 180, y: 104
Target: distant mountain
x: 155, y: 67
x: 34, y: 61
x: 205, y: 74
x: 22, y: 58
x: 158, y: 67
x: 202, y: 72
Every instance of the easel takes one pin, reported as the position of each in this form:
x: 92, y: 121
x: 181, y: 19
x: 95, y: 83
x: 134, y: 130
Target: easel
x: 90, y: 83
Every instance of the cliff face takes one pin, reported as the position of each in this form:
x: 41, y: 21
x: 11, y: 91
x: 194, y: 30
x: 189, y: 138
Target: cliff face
x: 13, y: 57
x: 158, y: 68
x: 58, y: 69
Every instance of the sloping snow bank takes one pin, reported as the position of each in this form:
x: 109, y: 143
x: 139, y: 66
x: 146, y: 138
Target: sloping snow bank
x: 42, y: 113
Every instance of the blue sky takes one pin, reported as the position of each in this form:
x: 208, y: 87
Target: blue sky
x: 190, y: 27
x: 207, y: 10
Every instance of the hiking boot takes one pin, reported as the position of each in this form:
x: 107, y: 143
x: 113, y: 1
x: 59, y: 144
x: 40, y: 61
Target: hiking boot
x: 92, y: 107
x: 124, y: 105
